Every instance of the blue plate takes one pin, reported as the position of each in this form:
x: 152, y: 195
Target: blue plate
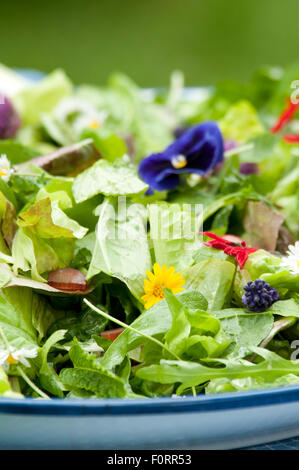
x: 225, y: 421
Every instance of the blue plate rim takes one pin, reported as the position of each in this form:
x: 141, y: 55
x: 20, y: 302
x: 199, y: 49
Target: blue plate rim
x: 148, y: 406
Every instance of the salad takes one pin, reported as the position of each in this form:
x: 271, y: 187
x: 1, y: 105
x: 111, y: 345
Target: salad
x: 148, y: 238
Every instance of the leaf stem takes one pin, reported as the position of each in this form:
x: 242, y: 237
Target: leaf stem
x: 31, y: 384
x: 129, y: 327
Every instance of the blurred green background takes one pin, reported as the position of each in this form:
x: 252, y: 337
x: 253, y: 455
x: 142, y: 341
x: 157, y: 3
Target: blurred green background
x: 147, y: 39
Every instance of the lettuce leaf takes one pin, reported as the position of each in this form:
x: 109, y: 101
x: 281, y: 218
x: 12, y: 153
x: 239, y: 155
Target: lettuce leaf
x: 111, y: 179
x: 46, y: 220
x: 241, y: 122
x: 121, y: 248
x: 18, y: 305
x: 213, y: 278
x: 174, y: 233
x: 42, y: 97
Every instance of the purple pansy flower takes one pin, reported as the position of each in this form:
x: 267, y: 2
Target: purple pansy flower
x: 9, y: 119
x: 198, y: 150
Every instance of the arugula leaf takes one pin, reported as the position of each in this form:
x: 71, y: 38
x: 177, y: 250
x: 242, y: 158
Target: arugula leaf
x: 192, y: 374
x: 48, y: 377
x: 179, y: 331
x: 89, y: 375
x: 157, y: 320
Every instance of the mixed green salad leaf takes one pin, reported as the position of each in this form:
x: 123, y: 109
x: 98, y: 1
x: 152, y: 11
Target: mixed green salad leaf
x: 148, y: 238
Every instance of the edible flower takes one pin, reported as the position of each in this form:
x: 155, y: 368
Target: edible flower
x: 5, y: 169
x: 161, y: 277
x: 198, y: 150
x: 291, y: 261
x: 285, y: 117
x: 259, y: 295
x: 231, y: 246
x: 13, y: 356
x: 10, y: 121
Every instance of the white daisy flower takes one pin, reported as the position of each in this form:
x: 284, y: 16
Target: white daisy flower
x: 291, y: 261
x: 92, y: 120
x: 5, y: 168
x: 81, y: 114
x: 13, y: 356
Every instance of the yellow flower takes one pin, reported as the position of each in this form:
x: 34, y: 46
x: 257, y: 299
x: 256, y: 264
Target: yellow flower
x: 161, y: 277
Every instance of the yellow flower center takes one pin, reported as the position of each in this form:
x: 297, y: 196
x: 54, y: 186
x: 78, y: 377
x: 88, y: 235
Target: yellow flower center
x: 3, y: 171
x: 298, y: 264
x: 11, y: 360
x: 94, y: 125
x: 158, y: 292
x: 179, y: 161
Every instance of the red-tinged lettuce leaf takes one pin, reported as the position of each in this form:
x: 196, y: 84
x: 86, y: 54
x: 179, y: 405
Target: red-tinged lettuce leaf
x: 46, y: 220
x: 9, y: 279
x: 8, y: 217
x: 69, y: 160
x: 262, y: 225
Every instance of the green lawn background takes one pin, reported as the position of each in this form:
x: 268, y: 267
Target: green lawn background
x: 209, y: 40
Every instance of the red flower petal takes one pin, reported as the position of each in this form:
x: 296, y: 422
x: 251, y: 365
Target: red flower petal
x: 240, y: 253
x: 285, y: 116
